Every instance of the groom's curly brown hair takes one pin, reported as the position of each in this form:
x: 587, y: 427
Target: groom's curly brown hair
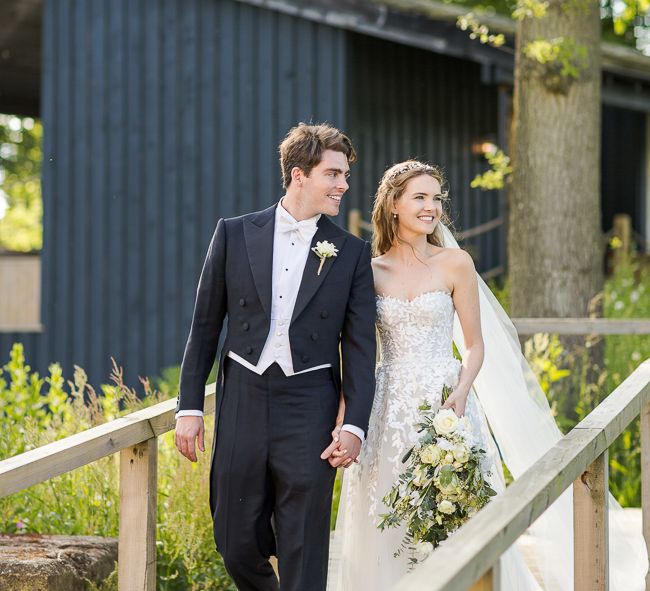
x: 304, y: 145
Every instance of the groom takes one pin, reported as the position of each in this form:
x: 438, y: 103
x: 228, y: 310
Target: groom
x: 298, y: 294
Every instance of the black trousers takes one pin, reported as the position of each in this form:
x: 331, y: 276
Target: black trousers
x: 270, y: 493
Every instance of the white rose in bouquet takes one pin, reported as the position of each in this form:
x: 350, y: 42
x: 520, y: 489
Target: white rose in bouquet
x: 461, y: 453
x: 446, y: 507
x: 431, y: 454
x: 445, y: 422
x: 424, y: 548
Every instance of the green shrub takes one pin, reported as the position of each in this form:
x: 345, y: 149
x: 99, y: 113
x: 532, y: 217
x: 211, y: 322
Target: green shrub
x: 575, y: 385
x: 36, y: 411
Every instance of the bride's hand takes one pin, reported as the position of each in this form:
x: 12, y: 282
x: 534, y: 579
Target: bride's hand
x: 456, y: 402
x: 331, y: 449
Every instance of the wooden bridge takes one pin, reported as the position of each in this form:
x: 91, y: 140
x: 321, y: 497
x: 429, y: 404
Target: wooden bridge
x: 467, y: 561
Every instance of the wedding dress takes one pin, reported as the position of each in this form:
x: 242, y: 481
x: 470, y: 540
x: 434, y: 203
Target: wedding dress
x: 416, y: 362
x: 417, y: 359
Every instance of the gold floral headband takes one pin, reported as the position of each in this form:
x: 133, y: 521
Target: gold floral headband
x: 411, y: 166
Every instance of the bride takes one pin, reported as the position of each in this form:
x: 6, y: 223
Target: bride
x: 429, y: 297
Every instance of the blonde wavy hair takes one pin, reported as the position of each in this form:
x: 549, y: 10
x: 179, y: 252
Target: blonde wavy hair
x: 391, y: 188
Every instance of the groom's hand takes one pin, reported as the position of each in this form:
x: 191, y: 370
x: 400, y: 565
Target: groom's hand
x: 329, y: 450
x: 187, y: 431
x: 347, y: 451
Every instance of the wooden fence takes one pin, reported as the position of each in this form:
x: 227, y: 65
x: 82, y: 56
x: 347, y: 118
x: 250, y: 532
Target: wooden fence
x: 135, y: 438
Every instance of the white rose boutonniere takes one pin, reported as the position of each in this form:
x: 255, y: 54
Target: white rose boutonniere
x: 324, y: 250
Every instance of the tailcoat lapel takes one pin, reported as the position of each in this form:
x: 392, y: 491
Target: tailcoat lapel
x: 258, y: 235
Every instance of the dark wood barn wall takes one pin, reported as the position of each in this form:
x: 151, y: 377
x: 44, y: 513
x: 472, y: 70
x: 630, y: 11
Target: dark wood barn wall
x: 160, y: 116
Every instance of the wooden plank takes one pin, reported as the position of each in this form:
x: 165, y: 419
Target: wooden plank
x: 645, y: 479
x: 480, y: 229
x: 55, y: 458
x: 590, y: 527
x: 20, y: 286
x: 165, y: 421
x: 575, y: 326
x: 137, y: 541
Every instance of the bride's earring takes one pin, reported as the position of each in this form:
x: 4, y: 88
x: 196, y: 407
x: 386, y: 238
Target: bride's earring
x: 395, y: 216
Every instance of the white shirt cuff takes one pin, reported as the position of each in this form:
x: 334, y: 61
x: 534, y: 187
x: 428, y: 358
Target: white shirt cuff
x: 189, y: 413
x: 354, y: 430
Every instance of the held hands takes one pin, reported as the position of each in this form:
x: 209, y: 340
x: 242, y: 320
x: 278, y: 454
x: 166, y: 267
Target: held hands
x: 187, y: 431
x: 343, y: 450
x: 345, y: 446
x: 456, y: 402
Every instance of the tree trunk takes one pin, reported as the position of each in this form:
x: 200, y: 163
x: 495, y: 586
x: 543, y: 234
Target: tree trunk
x: 555, y: 245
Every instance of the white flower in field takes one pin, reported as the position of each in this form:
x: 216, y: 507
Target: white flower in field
x: 619, y: 305
x: 445, y: 421
x: 636, y: 356
x: 446, y: 507
x: 634, y: 296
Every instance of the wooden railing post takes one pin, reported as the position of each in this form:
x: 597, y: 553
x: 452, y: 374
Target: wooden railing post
x: 645, y: 480
x: 354, y: 222
x: 137, y: 541
x: 485, y: 583
x: 590, y: 527
x: 623, y: 231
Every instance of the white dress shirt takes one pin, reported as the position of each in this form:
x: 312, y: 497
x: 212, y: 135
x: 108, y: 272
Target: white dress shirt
x: 291, y: 247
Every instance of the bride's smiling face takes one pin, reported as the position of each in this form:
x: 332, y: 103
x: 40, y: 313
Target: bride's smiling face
x: 419, y: 208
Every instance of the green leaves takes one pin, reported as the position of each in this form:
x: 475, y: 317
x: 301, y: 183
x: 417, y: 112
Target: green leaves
x: 479, y: 30
x: 495, y: 177
x: 20, y: 183
x: 564, y: 53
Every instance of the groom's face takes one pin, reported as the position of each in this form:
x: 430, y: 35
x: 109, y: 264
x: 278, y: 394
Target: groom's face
x: 322, y: 191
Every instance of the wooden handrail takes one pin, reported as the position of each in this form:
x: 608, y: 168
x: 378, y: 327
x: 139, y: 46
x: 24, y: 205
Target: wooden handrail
x: 58, y: 457
x: 476, y: 547
x: 582, y: 326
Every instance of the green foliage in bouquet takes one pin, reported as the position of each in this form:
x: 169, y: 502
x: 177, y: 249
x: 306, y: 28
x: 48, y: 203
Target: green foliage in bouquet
x: 35, y: 411
x: 442, y: 486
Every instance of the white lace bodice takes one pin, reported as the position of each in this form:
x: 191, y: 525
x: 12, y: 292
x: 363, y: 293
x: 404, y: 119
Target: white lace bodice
x: 416, y: 331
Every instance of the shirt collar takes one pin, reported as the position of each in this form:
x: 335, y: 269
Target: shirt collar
x: 281, y: 211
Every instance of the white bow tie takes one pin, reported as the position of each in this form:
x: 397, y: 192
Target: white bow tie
x: 305, y: 228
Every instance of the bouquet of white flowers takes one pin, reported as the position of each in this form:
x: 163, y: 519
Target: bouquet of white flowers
x: 442, y: 486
